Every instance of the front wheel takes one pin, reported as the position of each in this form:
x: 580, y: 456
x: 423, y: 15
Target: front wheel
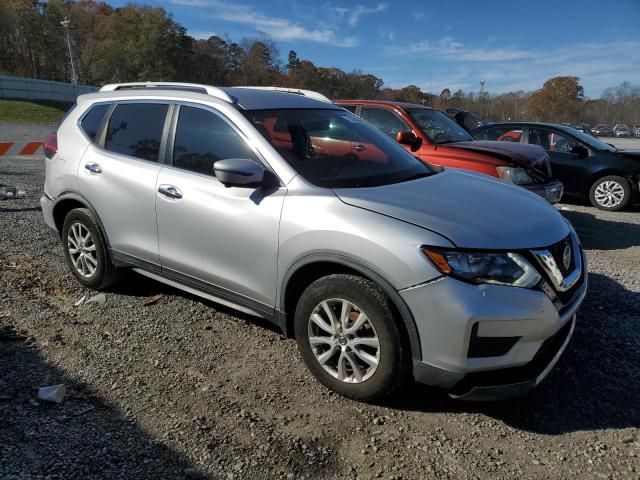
x: 610, y: 193
x: 349, y: 338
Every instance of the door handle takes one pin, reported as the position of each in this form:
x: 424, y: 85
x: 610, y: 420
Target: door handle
x: 170, y: 191
x: 359, y: 148
x: 93, y: 167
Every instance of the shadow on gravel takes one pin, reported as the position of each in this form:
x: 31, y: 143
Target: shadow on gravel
x: 136, y: 285
x: 598, y: 234
x: 82, y: 437
x: 14, y: 210
x: 594, y: 386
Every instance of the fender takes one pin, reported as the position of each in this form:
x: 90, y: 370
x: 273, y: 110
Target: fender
x: 77, y: 196
x: 366, y: 271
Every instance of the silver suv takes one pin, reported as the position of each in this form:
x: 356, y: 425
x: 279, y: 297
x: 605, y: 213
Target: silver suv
x: 286, y: 206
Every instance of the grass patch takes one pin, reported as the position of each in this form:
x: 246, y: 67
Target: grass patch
x: 23, y: 111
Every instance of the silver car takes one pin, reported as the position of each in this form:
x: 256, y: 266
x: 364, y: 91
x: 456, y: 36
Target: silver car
x: 283, y: 205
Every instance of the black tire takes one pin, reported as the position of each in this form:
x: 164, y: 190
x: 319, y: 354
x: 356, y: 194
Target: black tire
x: 105, y: 273
x: 393, y: 369
x: 623, y: 184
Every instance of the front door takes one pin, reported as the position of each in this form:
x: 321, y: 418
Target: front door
x: 218, y: 238
x: 567, y: 167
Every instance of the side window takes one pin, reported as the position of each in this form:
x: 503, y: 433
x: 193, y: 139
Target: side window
x: 384, y: 120
x: 501, y: 134
x: 203, y: 138
x: 135, y: 129
x: 351, y: 108
x: 92, y: 120
x: 552, y: 141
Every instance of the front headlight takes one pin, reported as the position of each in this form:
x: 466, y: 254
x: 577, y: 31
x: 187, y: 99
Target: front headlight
x: 519, y: 176
x: 479, y: 267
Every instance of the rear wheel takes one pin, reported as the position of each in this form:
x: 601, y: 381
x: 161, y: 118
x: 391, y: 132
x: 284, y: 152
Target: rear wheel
x: 610, y: 193
x: 349, y: 338
x: 85, y: 251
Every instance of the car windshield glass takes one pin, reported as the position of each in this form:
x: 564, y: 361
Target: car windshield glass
x: 593, y: 142
x: 334, y: 148
x: 438, y: 127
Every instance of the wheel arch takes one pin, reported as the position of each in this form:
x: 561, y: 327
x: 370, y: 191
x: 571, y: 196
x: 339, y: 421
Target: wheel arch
x: 609, y: 172
x: 69, y: 201
x: 308, y: 269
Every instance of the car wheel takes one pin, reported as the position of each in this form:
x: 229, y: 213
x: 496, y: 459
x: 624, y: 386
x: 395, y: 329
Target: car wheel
x: 349, y: 338
x: 610, y: 193
x: 85, y: 252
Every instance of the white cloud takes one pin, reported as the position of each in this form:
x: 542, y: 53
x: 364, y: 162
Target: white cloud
x: 599, y: 65
x: 276, y: 27
x: 203, y: 35
x: 359, y: 10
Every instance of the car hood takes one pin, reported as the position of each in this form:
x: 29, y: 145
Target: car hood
x: 470, y: 209
x: 525, y: 155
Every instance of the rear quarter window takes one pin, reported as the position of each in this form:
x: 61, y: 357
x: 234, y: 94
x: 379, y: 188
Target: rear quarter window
x: 90, y: 123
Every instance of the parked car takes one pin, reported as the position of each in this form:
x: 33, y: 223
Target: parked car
x: 584, y: 128
x: 436, y: 138
x: 636, y: 130
x: 382, y: 267
x: 601, y: 130
x: 621, y: 131
x: 607, y: 176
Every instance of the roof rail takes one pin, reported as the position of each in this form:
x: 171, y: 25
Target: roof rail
x: 189, y: 87
x: 296, y: 91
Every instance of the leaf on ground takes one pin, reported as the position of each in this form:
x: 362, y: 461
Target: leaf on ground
x: 152, y: 300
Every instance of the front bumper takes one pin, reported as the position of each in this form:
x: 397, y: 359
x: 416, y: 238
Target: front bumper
x: 551, y: 191
x: 448, y: 313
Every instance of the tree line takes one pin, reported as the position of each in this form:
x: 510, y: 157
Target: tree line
x: 140, y: 42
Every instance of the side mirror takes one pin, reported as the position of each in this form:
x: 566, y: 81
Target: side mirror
x: 408, y: 138
x: 238, y: 172
x: 580, y: 151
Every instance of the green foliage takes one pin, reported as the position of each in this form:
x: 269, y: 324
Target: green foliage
x: 15, y: 111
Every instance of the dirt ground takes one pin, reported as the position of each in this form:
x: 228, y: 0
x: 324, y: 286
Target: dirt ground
x: 175, y: 387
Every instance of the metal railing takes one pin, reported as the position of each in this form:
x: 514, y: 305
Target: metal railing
x: 20, y: 88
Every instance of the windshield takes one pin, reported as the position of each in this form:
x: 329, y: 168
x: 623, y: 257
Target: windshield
x: 438, y: 127
x: 334, y: 148
x: 592, y: 141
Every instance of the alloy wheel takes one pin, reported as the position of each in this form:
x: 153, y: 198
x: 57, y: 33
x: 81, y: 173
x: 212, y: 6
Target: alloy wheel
x: 82, y: 250
x: 609, y: 194
x: 343, y: 340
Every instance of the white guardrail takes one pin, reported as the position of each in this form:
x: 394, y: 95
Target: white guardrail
x: 33, y: 89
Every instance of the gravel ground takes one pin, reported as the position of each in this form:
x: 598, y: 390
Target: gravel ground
x: 184, y: 388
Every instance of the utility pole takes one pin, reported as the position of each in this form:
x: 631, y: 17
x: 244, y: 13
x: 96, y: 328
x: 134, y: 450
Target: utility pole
x: 482, y: 82
x: 65, y: 23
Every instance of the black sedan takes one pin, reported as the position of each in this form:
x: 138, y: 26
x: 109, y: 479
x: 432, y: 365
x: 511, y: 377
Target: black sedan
x: 586, y: 166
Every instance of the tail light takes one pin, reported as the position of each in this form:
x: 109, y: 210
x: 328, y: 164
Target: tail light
x: 51, y: 145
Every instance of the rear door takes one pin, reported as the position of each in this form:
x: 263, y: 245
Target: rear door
x: 118, y: 177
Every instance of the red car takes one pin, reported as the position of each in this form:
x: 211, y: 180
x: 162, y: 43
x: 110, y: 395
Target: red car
x: 434, y: 137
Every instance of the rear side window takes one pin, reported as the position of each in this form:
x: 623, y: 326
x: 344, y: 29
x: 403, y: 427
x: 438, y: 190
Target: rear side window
x: 135, y: 129
x: 384, y: 120
x: 351, y: 108
x: 501, y: 134
x: 93, y: 119
x: 203, y: 138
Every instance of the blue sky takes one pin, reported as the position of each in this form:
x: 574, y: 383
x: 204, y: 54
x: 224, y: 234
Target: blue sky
x: 435, y: 44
